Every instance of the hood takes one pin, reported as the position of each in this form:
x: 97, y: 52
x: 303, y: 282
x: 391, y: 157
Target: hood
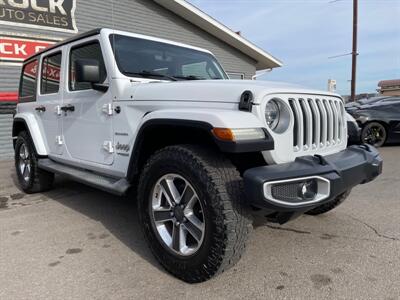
x: 352, y: 104
x: 228, y: 91
x: 370, y: 106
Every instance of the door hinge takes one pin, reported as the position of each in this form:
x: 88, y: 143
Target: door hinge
x: 59, y: 140
x: 108, y: 109
x: 108, y: 146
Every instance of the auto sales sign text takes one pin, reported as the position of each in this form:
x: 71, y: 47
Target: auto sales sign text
x: 17, y: 49
x: 58, y: 15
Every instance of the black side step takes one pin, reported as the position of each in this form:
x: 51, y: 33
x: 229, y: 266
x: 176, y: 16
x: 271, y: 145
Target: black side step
x: 107, y: 184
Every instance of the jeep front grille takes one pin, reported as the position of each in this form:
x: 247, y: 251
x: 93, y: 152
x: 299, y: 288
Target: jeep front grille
x: 318, y: 123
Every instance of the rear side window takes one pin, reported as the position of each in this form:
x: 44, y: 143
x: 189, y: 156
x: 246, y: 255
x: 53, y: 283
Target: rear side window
x: 27, y: 88
x: 50, y: 79
x: 88, y: 51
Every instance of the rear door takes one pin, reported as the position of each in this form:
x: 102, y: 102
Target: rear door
x: 87, y: 124
x: 49, y: 99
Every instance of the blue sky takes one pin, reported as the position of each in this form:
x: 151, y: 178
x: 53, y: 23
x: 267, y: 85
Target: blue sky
x: 304, y: 33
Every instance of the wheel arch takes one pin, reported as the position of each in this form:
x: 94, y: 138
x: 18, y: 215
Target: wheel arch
x: 24, y: 123
x: 155, y: 134
x: 382, y: 122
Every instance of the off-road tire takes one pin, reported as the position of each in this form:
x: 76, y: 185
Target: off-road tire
x: 39, y: 180
x: 324, y: 208
x: 220, y: 189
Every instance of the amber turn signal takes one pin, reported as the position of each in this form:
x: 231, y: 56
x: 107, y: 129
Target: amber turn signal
x: 224, y: 134
x: 238, y: 134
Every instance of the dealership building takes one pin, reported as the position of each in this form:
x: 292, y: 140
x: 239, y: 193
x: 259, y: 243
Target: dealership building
x: 389, y: 87
x: 27, y: 26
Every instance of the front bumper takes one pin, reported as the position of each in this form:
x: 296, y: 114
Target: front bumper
x: 342, y: 171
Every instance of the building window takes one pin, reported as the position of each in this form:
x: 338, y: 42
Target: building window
x: 50, y: 79
x: 27, y: 89
x: 233, y: 75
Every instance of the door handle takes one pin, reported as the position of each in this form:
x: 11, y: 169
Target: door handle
x: 40, y: 108
x: 69, y: 107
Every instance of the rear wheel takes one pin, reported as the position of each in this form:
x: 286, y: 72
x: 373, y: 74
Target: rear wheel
x: 30, y: 177
x: 191, y: 211
x: 324, y: 208
x: 374, y: 133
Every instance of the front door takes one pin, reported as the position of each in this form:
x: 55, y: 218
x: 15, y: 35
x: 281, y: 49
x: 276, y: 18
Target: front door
x: 87, y: 125
x: 49, y: 100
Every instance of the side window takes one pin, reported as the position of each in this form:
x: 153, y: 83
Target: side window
x: 88, y: 51
x: 50, y: 79
x: 27, y: 87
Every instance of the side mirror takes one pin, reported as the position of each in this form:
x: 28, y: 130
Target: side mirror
x: 87, y: 70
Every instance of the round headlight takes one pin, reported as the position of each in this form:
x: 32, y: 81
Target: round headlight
x: 272, y: 114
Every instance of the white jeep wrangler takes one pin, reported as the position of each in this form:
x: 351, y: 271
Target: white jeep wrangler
x: 125, y: 112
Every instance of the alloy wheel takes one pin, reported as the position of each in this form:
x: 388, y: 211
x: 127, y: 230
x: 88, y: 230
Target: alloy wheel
x: 177, y: 214
x: 24, y: 162
x: 374, y: 134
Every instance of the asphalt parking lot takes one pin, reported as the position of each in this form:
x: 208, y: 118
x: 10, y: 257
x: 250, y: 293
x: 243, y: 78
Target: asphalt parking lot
x: 75, y: 242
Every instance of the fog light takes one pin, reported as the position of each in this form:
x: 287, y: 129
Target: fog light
x: 308, y: 190
x: 297, y: 191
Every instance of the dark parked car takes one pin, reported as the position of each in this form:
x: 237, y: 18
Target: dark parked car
x: 364, y: 101
x: 379, y: 120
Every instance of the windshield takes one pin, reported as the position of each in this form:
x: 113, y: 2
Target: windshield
x: 145, y: 58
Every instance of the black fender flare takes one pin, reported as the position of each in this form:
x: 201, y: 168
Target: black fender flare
x: 223, y: 146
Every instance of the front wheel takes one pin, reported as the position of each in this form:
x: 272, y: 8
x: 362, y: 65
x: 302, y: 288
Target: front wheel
x: 191, y: 211
x: 374, y: 133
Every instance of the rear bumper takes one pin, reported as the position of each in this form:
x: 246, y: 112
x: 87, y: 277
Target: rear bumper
x: 338, y: 173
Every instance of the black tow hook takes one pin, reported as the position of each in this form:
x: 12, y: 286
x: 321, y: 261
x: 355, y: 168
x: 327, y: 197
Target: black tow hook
x: 322, y: 160
x: 366, y: 147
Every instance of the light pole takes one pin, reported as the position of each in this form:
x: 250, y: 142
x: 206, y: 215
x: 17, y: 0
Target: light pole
x: 354, y: 51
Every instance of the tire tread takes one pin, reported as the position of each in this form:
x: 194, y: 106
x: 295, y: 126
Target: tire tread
x: 232, y: 214
x: 41, y: 180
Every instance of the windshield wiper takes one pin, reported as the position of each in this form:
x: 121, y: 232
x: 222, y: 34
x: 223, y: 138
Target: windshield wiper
x: 148, y: 74
x: 189, y: 77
